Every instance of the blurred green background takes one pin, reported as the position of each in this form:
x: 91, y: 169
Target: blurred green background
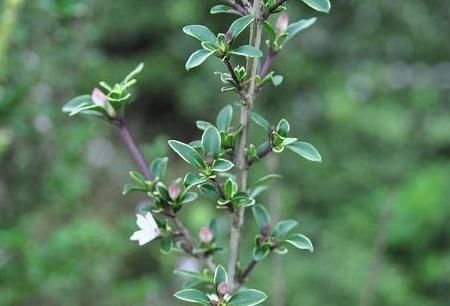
x: 368, y: 85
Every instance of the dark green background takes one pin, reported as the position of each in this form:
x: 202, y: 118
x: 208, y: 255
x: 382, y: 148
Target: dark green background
x: 368, y: 85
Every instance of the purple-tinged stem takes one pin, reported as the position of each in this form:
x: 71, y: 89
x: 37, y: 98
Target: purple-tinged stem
x: 267, y: 64
x: 133, y: 149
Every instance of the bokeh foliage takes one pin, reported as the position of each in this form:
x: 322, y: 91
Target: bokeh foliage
x: 368, y: 84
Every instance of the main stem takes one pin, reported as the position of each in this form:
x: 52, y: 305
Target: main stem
x: 237, y: 217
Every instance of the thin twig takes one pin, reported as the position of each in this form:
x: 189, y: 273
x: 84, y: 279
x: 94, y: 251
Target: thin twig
x: 267, y: 63
x: 132, y: 148
x: 219, y: 187
x: 243, y: 276
x: 273, y: 8
x: 230, y: 68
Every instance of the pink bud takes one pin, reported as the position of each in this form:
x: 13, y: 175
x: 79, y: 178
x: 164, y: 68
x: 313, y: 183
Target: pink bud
x: 206, y: 235
x: 98, y: 97
x: 222, y: 289
x: 228, y: 37
x: 282, y: 23
x: 174, y: 191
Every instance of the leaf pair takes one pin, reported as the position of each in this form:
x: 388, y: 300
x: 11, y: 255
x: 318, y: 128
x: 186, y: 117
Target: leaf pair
x: 243, y: 297
x: 210, y: 162
x: 219, y: 45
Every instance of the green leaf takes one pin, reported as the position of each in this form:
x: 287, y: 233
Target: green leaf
x: 280, y: 250
x: 288, y: 140
x: 239, y: 25
x: 305, y: 150
x: 158, y: 166
x: 208, y: 190
x: 222, y: 165
x: 163, y: 192
x: 261, y: 121
x: 197, y: 58
x: 283, y: 227
x: 297, y: 27
x: 258, y: 190
x: 191, y: 274
x: 268, y: 177
x: 323, y: 6
x: 137, y: 177
x: 166, y: 245
x: 300, y: 242
x: 247, y: 51
x: 188, y: 197
x: 230, y: 188
x: 247, y: 297
x: 283, y: 127
x: 276, y: 79
x: 133, y: 73
x: 211, y: 142
x: 225, y: 9
x: 224, y: 118
x: 193, y: 179
x: 76, y: 103
x: 270, y: 30
x: 261, y: 252
x: 189, y: 154
x: 200, y: 32
x: 261, y: 215
x: 202, y: 125
x: 220, y: 275
x: 193, y: 295
x: 127, y: 188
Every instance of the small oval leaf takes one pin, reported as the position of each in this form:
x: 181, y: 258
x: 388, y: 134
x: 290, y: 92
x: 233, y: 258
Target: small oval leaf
x: 305, y: 150
x: 300, y: 242
x: 186, y: 152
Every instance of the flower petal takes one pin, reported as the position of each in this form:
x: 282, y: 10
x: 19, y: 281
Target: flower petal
x: 141, y: 221
x: 142, y: 237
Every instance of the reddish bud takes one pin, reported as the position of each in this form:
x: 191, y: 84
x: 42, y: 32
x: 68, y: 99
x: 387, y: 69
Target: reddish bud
x: 174, y: 191
x: 265, y: 230
x: 228, y: 37
x: 209, y: 159
x: 222, y: 289
x: 282, y: 23
x: 206, y: 235
x: 100, y: 99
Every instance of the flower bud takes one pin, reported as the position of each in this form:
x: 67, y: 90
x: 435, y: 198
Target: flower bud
x: 228, y: 37
x: 206, y: 235
x: 209, y: 159
x: 282, y: 23
x: 222, y: 289
x: 265, y: 230
x: 174, y: 191
x: 100, y: 99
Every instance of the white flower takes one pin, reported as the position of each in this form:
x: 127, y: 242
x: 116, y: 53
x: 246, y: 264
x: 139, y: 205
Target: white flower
x: 149, y: 230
